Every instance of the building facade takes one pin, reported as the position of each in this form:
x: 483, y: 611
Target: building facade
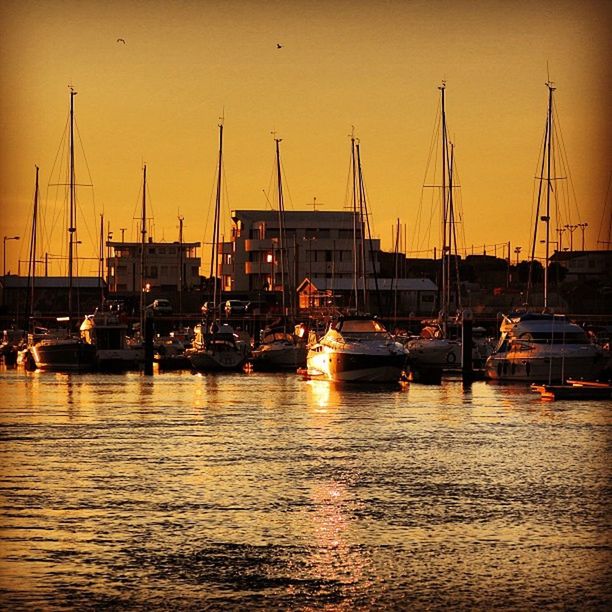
x: 168, y: 266
x: 318, y: 243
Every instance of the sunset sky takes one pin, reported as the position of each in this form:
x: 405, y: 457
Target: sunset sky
x: 370, y: 64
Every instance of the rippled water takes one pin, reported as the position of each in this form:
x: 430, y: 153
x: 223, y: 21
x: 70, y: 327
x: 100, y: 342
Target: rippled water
x: 267, y: 491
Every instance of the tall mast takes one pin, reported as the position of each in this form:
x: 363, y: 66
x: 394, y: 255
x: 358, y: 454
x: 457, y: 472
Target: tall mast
x: 101, y: 259
x: 355, y: 258
x: 548, y: 186
x: 215, y: 242
x: 444, y: 304
x: 32, y: 258
x: 71, y: 227
x: 361, y: 225
x: 281, y: 223
x: 181, y: 264
x: 143, y: 243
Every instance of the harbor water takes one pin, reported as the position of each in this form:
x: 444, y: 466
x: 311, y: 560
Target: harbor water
x: 268, y: 491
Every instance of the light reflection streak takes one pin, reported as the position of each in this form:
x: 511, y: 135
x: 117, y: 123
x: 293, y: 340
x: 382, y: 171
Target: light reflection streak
x: 335, y: 558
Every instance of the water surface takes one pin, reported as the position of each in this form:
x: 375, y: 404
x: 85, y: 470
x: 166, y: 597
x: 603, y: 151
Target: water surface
x: 267, y: 491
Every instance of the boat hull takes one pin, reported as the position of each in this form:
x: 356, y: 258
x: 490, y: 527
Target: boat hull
x: 543, y: 369
x: 271, y: 358
x: 216, y: 361
x: 355, y: 367
x: 64, y: 355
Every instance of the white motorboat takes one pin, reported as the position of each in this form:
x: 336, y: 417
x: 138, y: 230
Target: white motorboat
x: 357, y: 349
x: 543, y: 347
x: 106, y: 330
x: 217, y: 349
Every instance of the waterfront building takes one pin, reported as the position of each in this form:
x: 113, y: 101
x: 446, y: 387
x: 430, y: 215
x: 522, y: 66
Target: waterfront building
x: 317, y: 244
x: 169, y: 266
x: 385, y: 295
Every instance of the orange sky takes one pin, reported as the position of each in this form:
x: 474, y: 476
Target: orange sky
x: 372, y: 65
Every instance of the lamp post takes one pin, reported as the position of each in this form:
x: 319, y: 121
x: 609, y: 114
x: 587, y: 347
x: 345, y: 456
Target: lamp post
x: 583, y: 227
x: 4, y: 252
x: 517, y: 250
x: 560, y: 231
x: 571, y: 229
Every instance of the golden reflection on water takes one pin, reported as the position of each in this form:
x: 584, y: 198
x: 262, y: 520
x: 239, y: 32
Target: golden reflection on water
x: 341, y: 497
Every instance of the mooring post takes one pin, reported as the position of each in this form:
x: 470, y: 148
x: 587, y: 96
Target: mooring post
x: 467, y: 368
x: 148, y: 343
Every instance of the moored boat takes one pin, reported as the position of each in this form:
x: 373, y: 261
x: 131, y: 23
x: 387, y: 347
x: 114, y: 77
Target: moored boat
x: 357, y: 349
x: 217, y: 349
x: 543, y: 347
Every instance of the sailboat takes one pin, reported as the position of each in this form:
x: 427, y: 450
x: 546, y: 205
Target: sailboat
x: 543, y: 346
x: 216, y: 347
x: 280, y: 348
x: 434, y: 348
x: 65, y: 351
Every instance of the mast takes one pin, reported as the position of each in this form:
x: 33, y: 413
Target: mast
x: 548, y: 186
x: 72, y: 215
x: 101, y: 259
x: 143, y: 243
x: 214, y: 263
x: 181, y: 264
x: 355, y: 258
x: 32, y: 257
x: 281, y: 222
x: 546, y: 161
x: 444, y: 304
x: 361, y: 225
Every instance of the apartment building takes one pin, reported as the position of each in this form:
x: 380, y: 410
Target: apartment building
x: 317, y: 243
x: 168, y: 266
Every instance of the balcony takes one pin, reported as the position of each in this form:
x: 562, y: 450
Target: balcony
x: 253, y: 244
x: 256, y: 267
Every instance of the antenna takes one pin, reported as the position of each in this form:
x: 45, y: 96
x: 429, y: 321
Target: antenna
x: 314, y: 204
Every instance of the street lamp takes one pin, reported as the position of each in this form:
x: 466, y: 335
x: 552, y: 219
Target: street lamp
x: 571, y: 229
x: 517, y: 250
x: 583, y: 227
x: 4, y: 252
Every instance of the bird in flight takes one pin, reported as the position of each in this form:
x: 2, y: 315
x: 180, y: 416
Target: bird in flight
x: 121, y: 40
x: 279, y: 46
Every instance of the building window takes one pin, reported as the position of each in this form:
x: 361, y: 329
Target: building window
x: 151, y: 251
x: 328, y: 255
x: 269, y: 258
x: 171, y: 250
x: 152, y: 272
x: 227, y: 282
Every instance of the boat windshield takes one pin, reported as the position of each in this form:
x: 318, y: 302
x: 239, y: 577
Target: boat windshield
x: 361, y: 326
x: 548, y: 337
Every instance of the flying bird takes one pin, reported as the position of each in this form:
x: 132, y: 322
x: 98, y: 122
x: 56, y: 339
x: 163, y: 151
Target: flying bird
x: 279, y: 46
x: 121, y: 40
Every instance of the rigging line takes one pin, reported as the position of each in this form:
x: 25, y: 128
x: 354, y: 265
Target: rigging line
x: 286, y: 183
x: 537, y: 210
x: 566, y: 160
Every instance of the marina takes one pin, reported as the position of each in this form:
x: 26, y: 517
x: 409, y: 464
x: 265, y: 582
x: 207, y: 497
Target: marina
x: 269, y: 491
x: 303, y: 306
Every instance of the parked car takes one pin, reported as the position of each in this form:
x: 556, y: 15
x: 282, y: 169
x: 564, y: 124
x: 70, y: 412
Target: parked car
x: 160, y: 306
x: 233, y: 307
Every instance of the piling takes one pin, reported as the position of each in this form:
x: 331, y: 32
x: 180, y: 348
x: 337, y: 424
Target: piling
x: 148, y: 344
x: 467, y: 368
